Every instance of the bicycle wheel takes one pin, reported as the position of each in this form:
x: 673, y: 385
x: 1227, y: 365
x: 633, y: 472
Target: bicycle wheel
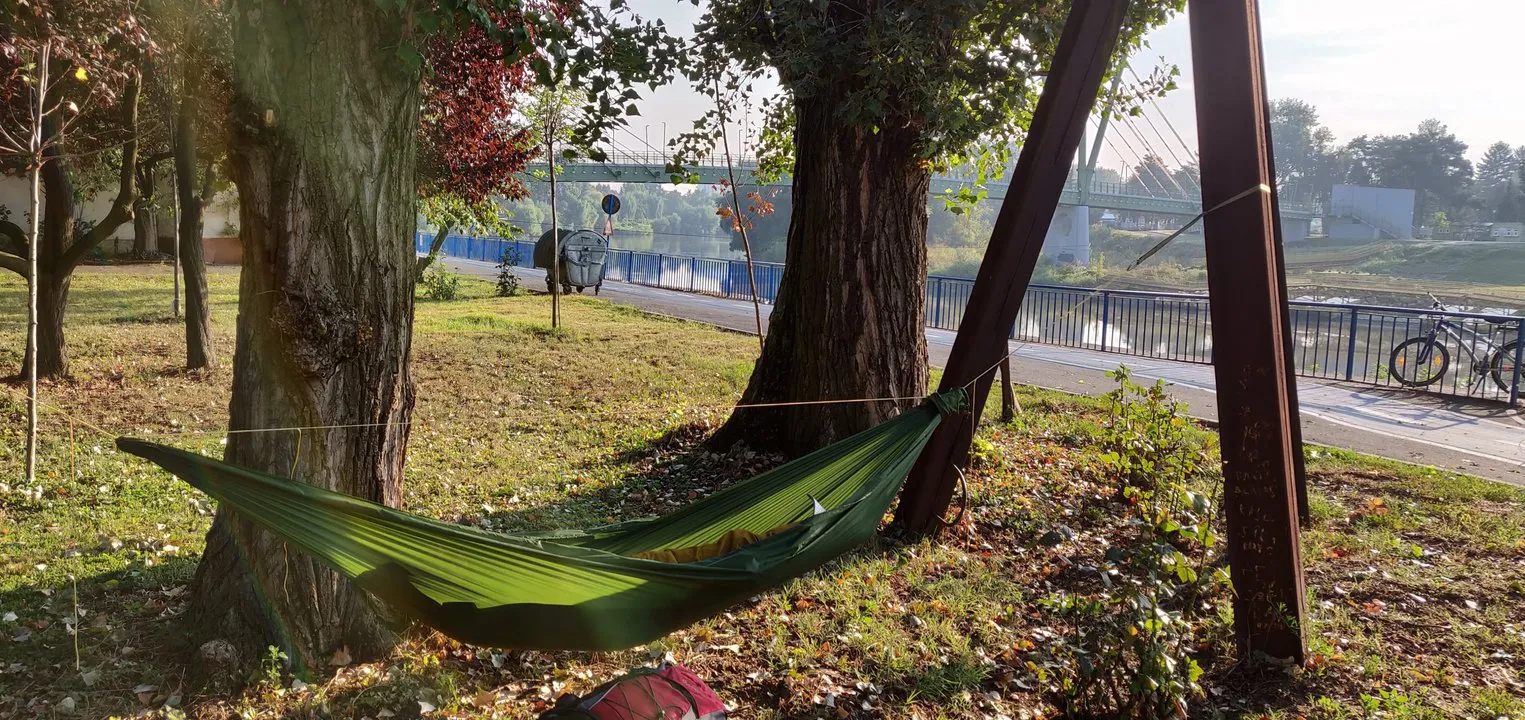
x: 1417, y: 362
x: 1502, y: 364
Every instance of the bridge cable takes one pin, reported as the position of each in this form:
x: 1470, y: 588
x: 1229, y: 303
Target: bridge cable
x: 1149, y: 148
x: 1165, y: 143
x: 1171, y: 126
x: 1121, y: 156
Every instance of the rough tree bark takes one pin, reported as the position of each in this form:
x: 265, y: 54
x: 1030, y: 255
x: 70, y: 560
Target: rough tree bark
x: 198, y: 316
x: 323, y: 153
x: 848, y: 320
x: 53, y: 285
x: 145, y: 224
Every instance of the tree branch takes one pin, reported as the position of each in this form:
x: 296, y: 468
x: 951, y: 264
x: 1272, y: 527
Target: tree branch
x: 208, y: 183
x: 424, y: 262
x: 122, y: 210
x: 13, y: 263
x: 14, y: 232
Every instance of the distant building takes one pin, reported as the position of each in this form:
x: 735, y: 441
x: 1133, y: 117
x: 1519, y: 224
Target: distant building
x: 1357, y: 212
x: 1506, y: 231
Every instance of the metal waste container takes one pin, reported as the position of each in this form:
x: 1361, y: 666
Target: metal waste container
x: 583, y: 254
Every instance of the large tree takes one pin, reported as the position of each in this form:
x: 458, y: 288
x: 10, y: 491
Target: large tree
x: 470, y: 147
x: 875, y: 95
x: 1495, y: 172
x: 1430, y: 160
x: 1305, y: 154
x: 323, y: 149
x: 91, y: 123
x: 192, y: 80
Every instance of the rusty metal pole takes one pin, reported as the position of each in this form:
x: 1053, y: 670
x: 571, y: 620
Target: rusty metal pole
x: 1249, y: 348
x: 1069, y: 92
x: 1299, y: 463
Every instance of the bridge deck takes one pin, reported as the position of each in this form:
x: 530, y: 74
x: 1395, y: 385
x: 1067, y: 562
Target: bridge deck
x: 1116, y: 196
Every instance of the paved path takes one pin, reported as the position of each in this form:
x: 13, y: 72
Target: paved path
x: 1482, y: 439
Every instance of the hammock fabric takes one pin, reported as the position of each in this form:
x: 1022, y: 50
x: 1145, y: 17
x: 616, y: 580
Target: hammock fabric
x: 586, y: 590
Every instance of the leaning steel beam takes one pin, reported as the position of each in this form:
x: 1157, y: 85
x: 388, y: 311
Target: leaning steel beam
x: 1069, y: 92
x: 1246, y: 282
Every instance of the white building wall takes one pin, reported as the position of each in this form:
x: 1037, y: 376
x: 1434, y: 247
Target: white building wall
x: 220, y: 218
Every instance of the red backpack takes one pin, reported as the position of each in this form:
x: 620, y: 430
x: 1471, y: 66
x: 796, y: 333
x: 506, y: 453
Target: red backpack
x: 669, y: 692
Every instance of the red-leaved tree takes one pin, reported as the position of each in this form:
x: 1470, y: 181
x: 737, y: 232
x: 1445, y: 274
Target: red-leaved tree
x: 469, y: 149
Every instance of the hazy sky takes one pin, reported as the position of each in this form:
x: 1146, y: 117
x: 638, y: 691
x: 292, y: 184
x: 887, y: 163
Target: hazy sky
x: 1370, y: 66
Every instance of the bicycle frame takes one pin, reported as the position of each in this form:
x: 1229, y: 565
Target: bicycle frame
x: 1459, y: 333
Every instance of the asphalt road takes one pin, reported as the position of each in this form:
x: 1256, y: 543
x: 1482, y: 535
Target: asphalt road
x: 1483, y: 439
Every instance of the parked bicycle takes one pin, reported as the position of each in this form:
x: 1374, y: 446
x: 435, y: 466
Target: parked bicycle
x: 1423, y: 360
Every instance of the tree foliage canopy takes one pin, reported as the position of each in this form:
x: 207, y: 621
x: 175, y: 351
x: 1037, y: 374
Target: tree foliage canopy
x: 964, y: 75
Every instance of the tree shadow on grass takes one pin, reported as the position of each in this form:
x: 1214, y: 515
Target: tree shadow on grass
x: 665, y: 473
x: 128, y: 639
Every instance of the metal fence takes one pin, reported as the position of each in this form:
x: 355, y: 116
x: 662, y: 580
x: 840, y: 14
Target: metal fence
x: 1352, y: 343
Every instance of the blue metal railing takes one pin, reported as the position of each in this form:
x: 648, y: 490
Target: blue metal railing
x: 1330, y: 341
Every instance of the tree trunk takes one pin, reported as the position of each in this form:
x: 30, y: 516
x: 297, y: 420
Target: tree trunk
x: 435, y: 246
x: 1009, y: 406
x: 60, y: 252
x: 52, y: 297
x: 145, y: 224
x: 323, y: 156
x: 52, y: 280
x: 848, y: 320
x: 198, y: 317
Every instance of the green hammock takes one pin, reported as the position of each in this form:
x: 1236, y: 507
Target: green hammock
x: 582, y: 590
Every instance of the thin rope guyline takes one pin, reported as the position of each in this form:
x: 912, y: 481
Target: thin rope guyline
x: 1261, y: 188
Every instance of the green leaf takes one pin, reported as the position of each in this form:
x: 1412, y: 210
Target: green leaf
x: 411, y: 58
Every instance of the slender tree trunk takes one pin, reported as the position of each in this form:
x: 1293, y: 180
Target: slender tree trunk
x: 554, y: 271
x: 1009, y: 406
x: 190, y: 256
x: 323, y: 156
x: 145, y: 224
x: 29, y: 363
x: 848, y: 320
x: 435, y: 246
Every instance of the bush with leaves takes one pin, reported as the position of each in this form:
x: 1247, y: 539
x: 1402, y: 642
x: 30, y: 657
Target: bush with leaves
x: 441, y: 284
x: 508, y: 282
x: 1129, y: 652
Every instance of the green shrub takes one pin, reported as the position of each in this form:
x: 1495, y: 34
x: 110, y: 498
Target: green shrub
x: 1129, y: 653
x: 508, y: 282
x: 441, y: 284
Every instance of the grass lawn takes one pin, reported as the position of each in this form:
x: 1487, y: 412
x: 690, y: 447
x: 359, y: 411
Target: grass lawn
x: 1416, y: 578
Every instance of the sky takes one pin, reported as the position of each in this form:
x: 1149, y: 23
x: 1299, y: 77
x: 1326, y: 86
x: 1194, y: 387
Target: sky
x: 1370, y: 67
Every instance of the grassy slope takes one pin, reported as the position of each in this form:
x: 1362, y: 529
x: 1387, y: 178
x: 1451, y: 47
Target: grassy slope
x: 1482, y: 272
x: 519, y: 427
